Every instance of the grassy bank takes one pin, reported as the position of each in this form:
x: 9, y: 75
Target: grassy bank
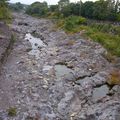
x: 105, y: 33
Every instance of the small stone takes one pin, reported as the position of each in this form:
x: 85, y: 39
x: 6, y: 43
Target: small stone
x: 73, y: 114
x: 45, y: 86
x: 36, y: 44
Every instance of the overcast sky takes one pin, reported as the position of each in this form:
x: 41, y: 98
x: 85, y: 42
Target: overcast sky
x: 50, y: 2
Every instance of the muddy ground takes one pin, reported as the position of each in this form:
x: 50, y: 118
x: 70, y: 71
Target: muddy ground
x: 50, y: 75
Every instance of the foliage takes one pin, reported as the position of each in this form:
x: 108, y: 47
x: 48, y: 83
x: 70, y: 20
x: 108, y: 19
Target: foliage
x: 70, y: 23
x: 106, y: 27
x: 63, y: 3
x: 4, y: 12
x: 75, y: 8
x: 109, y: 41
x: 106, y: 34
x: 53, y: 8
x: 87, y: 9
x: 16, y: 7
x: 66, y: 11
x: 98, y: 10
x: 37, y: 9
x: 118, y: 17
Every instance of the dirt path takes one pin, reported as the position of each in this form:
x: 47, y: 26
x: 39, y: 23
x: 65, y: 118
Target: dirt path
x: 54, y: 76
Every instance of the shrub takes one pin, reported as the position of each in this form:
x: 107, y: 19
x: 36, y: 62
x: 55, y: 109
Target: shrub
x: 73, y: 22
x: 118, y: 17
x: 81, y: 20
x: 69, y: 25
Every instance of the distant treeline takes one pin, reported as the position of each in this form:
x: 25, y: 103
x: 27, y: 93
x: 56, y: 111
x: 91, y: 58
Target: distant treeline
x: 18, y: 7
x: 99, y: 10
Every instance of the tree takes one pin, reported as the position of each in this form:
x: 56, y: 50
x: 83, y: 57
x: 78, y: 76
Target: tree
x: 117, y: 6
x: 4, y: 12
x: 53, y: 8
x: 17, y: 6
x: 87, y: 9
x: 100, y: 10
x: 37, y: 9
x: 76, y: 8
x: 3, y: 3
x: 63, y: 3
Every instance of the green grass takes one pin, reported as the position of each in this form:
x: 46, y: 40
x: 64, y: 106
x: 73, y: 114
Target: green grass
x: 106, y: 34
x: 12, y: 111
x: 109, y: 41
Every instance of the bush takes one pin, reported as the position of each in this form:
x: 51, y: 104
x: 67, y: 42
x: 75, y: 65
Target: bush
x: 4, y: 13
x: 73, y: 21
x: 78, y: 20
x: 69, y: 25
x: 81, y: 20
x: 118, y: 17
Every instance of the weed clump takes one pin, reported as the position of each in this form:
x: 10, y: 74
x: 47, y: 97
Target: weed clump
x: 114, y: 78
x: 12, y: 111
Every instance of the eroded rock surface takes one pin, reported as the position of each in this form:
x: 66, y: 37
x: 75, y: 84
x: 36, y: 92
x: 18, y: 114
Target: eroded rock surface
x: 5, y: 39
x: 58, y: 78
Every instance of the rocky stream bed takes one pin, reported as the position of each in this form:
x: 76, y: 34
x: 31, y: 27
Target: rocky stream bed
x: 50, y: 75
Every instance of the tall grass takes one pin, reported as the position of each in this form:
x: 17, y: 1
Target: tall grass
x: 106, y: 34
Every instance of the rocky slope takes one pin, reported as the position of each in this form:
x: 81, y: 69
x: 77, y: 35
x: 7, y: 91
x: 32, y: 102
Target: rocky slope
x: 50, y: 75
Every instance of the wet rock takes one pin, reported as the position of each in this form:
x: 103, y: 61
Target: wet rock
x: 62, y: 106
x: 62, y: 70
x: 100, y: 92
x: 114, y: 90
x: 70, y: 77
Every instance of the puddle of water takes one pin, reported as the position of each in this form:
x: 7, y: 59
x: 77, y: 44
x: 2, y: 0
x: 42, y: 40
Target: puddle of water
x: 62, y: 70
x: 36, y: 44
x: 100, y: 92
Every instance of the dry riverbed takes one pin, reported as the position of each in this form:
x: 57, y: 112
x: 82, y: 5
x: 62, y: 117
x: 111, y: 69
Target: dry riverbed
x: 50, y: 75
